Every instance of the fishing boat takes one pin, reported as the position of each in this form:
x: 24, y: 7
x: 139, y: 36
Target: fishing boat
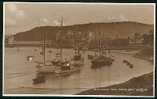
x: 77, y: 60
x: 66, y: 70
x: 56, y: 67
x: 59, y: 69
x: 101, y: 59
x: 43, y: 67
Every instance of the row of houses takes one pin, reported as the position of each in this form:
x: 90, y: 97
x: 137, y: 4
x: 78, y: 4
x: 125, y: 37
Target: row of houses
x: 10, y: 41
x: 106, y: 41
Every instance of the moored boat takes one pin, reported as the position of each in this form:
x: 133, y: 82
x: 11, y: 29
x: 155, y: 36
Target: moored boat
x: 57, y: 67
x: 77, y: 60
x: 128, y: 63
x: 90, y: 57
x: 39, y: 79
x: 101, y: 59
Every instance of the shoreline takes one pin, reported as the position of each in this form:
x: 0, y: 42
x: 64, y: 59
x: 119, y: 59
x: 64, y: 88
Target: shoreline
x: 110, y: 89
x: 81, y: 90
x: 136, y: 86
x: 134, y: 55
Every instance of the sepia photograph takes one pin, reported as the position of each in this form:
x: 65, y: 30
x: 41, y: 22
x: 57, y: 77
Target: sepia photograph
x: 79, y: 49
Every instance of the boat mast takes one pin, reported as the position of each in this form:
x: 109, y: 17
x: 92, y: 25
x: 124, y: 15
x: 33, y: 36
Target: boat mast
x: 61, y: 50
x: 78, y: 44
x: 99, y: 44
x: 95, y: 47
x: 44, y: 58
x: 99, y: 41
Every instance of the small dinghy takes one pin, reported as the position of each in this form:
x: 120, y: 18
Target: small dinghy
x: 90, y: 57
x: 39, y: 79
x: 128, y: 63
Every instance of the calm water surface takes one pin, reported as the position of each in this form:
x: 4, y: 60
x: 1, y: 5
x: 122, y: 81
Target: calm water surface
x: 18, y: 72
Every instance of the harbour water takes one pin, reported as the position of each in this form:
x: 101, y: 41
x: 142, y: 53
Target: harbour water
x: 18, y: 72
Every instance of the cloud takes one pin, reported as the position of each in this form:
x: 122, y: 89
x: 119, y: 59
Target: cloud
x: 56, y: 22
x: 14, y: 11
x: 13, y: 14
x: 11, y: 7
x: 45, y: 20
x: 20, y: 14
x: 120, y: 17
x: 9, y: 22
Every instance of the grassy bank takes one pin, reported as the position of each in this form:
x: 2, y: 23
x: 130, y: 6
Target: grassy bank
x: 146, y: 54
x: 138, y: 86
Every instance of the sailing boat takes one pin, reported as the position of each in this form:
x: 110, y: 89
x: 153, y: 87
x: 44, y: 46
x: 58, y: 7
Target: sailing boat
x: 101, y: 59
x: 66, y: 67
x: 44, y: 67
x: 57, y: 67
x: 41, y: 66
x: 77, y: 59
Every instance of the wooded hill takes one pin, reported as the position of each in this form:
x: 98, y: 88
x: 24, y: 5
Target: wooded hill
x: 120, y: 29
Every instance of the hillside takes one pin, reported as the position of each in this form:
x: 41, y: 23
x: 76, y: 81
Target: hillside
x: 138, y: 86
x: 114, y: 29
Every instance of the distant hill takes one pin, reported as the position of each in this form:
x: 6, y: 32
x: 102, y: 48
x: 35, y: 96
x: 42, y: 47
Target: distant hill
x: 114, y: 29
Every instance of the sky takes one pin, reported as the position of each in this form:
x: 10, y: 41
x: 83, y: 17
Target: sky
x: 25, y: 16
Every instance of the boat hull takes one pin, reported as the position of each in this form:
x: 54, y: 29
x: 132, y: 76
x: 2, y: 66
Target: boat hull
x: 39, y: 79
x: 101, y: 61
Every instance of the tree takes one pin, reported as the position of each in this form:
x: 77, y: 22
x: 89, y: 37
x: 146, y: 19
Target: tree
x: 136, y: 37
x: 148, y: 38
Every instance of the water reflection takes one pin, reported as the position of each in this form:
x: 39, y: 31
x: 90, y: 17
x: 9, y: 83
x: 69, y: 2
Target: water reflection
x: 19, y: 72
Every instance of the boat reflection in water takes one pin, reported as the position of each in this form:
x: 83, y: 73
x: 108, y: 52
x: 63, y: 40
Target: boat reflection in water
x: 39, y: 79
x: 57, y: 68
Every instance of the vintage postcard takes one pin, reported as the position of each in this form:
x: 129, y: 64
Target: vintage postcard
x: 79, y: 49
